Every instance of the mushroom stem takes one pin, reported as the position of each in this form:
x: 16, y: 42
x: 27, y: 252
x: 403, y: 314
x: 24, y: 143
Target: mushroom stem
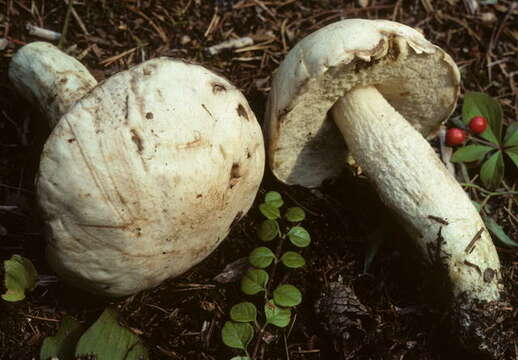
x: 413, y: 182
x: 49, y: 78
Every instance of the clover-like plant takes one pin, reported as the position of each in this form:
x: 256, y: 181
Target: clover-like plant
x: 491, y: 145
x: 239, y: 331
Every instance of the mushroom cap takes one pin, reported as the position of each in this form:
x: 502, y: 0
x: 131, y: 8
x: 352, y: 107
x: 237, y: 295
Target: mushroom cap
x: 416, y: 77
x: 145, y: 175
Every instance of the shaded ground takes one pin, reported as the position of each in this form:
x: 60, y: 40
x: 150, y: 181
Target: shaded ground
x: 182, y: 319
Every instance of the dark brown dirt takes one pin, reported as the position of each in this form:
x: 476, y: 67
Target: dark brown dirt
x: 182, y: 318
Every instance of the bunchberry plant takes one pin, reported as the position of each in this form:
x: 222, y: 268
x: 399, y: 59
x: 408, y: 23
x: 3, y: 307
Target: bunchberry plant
x: 482, y: 115
x: 285, y: 228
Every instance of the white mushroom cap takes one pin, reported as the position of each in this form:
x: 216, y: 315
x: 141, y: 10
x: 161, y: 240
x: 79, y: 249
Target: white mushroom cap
x: 416, y: 77
x: 143, y: 177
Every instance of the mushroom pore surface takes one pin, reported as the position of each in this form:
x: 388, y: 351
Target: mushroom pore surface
x: 144, y: 177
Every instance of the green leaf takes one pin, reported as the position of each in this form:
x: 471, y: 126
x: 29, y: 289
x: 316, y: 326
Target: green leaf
x: 268, y: 230
x: 261, y: 257
x: 240, y: 358
x: 243, y: 312
x: 513, y: 154
x: 254, y: 281
x: 20, y: 275
x: 107, y: 340
x: 237, y: 335
x: 287, y: 295
x: 476, y: 103
x: 276, y: 316
x: 295, y: 214
x: 471, y: 153
x: 293, y: 260
x: 274, y: 199
x: 299, y: 236
x: 511, y: 135
x: 492, y: 171
x: 497, y: 230
x: 269, y: 211
x: 63, y: 344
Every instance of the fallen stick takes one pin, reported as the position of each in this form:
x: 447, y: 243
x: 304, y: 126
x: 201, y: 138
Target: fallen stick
x: 43, y: 33
x: 230, y: 44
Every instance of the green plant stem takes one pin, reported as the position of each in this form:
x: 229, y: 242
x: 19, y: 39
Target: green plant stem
x: 496, y: 146
x: 258, y: 342
x: 490, y: 193
x: 278, y: 252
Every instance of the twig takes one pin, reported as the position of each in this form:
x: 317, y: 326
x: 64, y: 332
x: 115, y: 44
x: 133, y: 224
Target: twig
x: 42, y: 33
x: 78, y: 19
x: 65, y: 25
x: 471, y: 245
x: 230, y: 44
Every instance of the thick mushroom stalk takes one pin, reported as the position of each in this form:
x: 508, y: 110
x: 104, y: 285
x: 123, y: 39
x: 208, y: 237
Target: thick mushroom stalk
x: 49, y: 78
x: 412, y: 181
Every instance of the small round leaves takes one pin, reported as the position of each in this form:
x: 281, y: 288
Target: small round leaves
x: 295, y: 214
x: 293, y: 260
x: 243, y: 312
x: 237, y: 335
x: 268, y: 230
x: 261, y: 257
x: 254, y: 281
x: 274, y: 199
x: 287, y: 295
x: 276, y: 316
x: 299, y: 236
x: 269, y: 211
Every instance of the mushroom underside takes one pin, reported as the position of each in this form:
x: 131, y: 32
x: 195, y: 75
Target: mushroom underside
x: 419, y: 86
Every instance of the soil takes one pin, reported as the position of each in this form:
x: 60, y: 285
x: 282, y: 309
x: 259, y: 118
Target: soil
x: 182, y: 318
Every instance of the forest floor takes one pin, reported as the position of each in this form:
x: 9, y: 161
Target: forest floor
x: 183, y: 317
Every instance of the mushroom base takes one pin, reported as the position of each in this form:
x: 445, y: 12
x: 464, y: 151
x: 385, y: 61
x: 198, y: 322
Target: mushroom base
x: 479, y: 326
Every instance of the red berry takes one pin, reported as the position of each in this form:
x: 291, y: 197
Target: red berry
x: 455, y: 136
x: 478, y: 124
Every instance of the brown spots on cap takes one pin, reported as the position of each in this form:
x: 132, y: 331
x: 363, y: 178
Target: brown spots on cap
x: 222, y: 151
x: 197, y: 141
x: 235, y: 174
x: 248, y: 154
x: 489, y: 274
x: 218, y: 87
x: 148, y: 70
x: 207, y: 110
x: 199, y: 196
x: 241, y: 111
x: 71, y: 140
x: 149, y: 115
x: 135, y: 137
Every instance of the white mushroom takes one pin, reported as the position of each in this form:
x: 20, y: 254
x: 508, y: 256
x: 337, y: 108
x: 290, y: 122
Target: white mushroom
x: 143, y: 177
x: 386, y: 87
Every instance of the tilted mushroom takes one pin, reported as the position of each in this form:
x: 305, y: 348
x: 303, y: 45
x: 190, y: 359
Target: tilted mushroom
x: 143, y: 176
x: 374, y: 89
